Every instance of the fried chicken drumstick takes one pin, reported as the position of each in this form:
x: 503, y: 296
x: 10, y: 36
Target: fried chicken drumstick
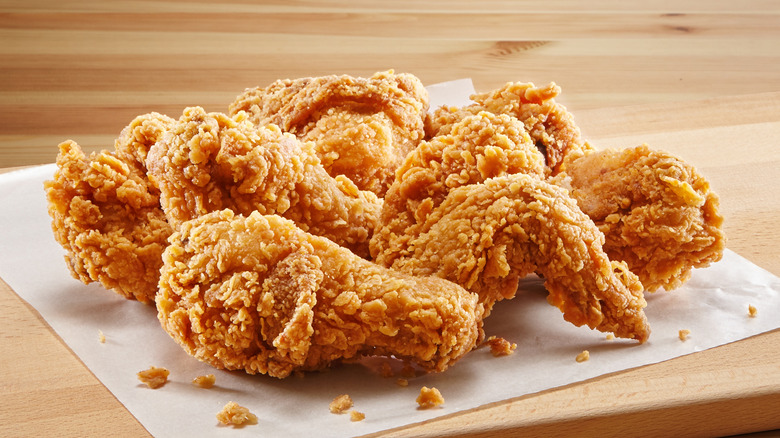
x: 657, y: 212
x: 362, y: 128
x: 257, y: 293
x: 209, y: 161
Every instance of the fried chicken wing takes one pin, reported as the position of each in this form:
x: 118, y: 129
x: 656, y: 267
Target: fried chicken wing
x: 383, y: 116
x: 487, y: 236
x: 548, y: 122
x: 257, y: 293
x: 209, y: 161
x: 107, y: 216
x: 657, y: 212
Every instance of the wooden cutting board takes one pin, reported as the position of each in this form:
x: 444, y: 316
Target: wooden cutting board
x: 735, y: 143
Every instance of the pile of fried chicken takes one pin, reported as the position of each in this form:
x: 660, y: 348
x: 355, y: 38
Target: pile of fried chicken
x: 330, y: 218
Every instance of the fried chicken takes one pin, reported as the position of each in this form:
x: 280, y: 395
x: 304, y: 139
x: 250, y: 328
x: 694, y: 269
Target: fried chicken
x: 487, y: 236
x: 209, y: 162
x: 257, y: 293
x: 476, y: 148
x: 549, y: 124
x: 657, y: 212
x: 382, y: 115
x: 107, y: 216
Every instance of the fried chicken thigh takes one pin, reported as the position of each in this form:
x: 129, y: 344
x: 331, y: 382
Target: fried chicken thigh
x: 107, y: 216
x: 549, y: 124
x: 209, y: 161
x: 383, y: 116
x: 657, y: 212
x: 257, y: 293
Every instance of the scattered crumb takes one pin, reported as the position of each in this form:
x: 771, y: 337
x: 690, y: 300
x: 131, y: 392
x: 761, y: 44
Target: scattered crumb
x: 500, y: 346
x: 402, y: 382
x: 386, y: 370
x: 429, y: 398
x: 341, y: 404
x: 684, y: 334
x: 234, y: 414
x: 154, y: 377
x: 356, y: 416
x: 101, y: 337
x: 582, y: 357
x: 204, y: 381
x: 752, y: 311
x: 610, y: 336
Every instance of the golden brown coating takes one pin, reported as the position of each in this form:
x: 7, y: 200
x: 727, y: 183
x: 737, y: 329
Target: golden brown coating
x: 476, y: 148
x: 395, y: 104
x: 209, y: 161
x: 259, y: 294
x: 487, y: 236
x: 657, y: 212
x: 549, y: 123
x: 106, y: 214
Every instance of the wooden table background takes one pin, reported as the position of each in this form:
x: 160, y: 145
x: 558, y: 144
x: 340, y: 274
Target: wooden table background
x: 84, y: 69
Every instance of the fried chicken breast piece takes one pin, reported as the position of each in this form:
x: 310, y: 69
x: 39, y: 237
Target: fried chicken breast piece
x: 657, y: 212
x: 208, y: 162
x: 107, y: 216
x: 257, y: 293
x: 382, y: 115
x: 476, y: 148
x: 487, y: 236
x: 549, y: 123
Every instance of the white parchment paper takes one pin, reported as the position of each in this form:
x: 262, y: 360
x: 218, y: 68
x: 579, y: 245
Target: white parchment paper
x: 713, y: 305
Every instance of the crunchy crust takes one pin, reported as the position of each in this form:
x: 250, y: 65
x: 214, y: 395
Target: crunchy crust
x: 257, y: 293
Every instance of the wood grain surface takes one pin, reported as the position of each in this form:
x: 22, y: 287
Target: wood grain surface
x: 698, y: 78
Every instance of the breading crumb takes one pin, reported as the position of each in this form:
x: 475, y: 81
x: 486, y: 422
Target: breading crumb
x: 402, y: 382
x: 683, y: 334
x: 584, y: 356
x: 234, y: 414
x: 356, y: 416
x: 154, y: 377
x: 341, y: 404
x: 204, y: 381
x: 101, y: 337
x: 500, y: 346
x: 610, y: 336
x: 752, y: 311
x: 429, y: 398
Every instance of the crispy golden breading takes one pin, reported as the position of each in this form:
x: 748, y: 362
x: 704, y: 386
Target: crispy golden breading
x: 476, y: 148
x: 487, y: 236
x: 154, y: 377
x: 657, y: 212
x: 108, y: 219
x: 548, y: 123
x: 107, y: 216
x: 396, y: 105
x: 233, y: 414
x: 259, y: 294
x: 209, y: 162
